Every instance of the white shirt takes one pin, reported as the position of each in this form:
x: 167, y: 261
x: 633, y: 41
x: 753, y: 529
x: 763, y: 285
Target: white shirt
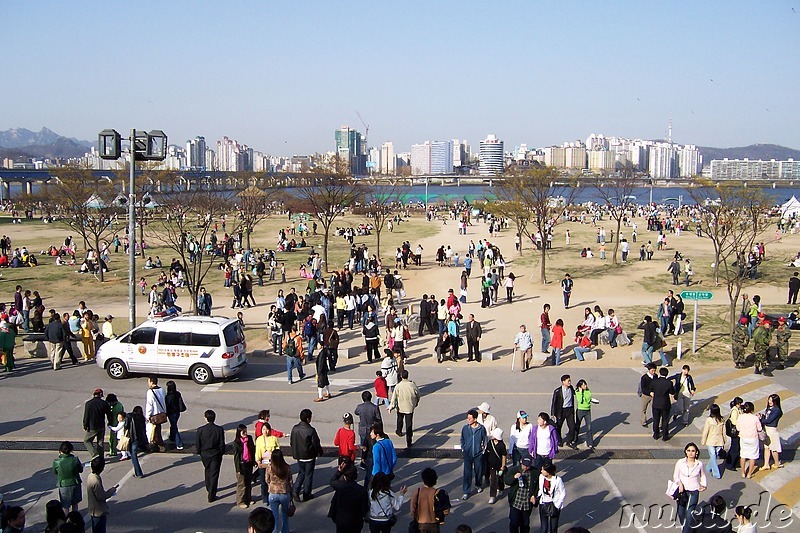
x: 519, y: 438
x: 543, y: 444
x: 152, y: 406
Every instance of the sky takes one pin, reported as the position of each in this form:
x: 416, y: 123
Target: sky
x: 282, y: 76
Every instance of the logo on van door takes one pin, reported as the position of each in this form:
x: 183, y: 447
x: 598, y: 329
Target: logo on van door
x: 142, y: 349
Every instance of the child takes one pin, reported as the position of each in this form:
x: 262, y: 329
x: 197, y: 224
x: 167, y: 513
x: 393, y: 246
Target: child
x: 381, y: 389
x: 120, y: 429
x: 283, y: 272
x: 345, y: 439
x: 240, y: 318
x: 142, y: 285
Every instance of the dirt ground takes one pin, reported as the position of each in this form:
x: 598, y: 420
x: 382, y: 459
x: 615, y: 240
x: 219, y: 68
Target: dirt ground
x: 632, y: 289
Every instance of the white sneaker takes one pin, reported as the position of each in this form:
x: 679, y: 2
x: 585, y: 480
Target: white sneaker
x: 466, y: 497
x: 480, y: 489
x: 491, y: 500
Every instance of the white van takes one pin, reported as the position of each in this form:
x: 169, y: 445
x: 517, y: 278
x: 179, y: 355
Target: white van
x: 202, y: 347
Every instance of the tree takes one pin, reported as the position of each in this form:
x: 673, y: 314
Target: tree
x: 731, y: 216
x: 616, y: 191
x: 536, y: 201
x: 85, y: 204
x: 187, y: 231
x: 253, y: 206
x: 147, y: 188
x: 380, y: 208
x: 327, y: 196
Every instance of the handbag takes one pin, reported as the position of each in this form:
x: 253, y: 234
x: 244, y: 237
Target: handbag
x: 762, y: 435
x: 548, y: 509
x: 124, y: 443
x: 158, y: 418
x: 618, y: 330
x: 291, y: 509
x: 672, y: 489
x: 730, y: 429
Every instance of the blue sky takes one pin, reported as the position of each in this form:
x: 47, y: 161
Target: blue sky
x: 282, y: 76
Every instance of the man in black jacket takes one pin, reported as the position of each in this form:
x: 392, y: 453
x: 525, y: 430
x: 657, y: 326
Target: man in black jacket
x: 424, y: 314
x: 306, y: 448
x: 96, y: 414
x: 54, y: 333
x: 473, y: 333
x: 794, y: 288
x: 350, y: 503
x: 661, y: 389
x: 649, y: 339
x: 211, y: 447
x: 644, y: 390
x: 562, y: 409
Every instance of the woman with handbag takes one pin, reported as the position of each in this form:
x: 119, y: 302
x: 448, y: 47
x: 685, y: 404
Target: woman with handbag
x: 173, y: 401
x: 266, y: 443
x: 770, y: 419
x: 425, y: 518
x: 691, y: 480
x: 155, y: 413
x: 383, y: 504
x: 244, y: 459
x: 279, y: 480
x: 750, y: 430
x: 713, y: 438
x: 730, y: 430
x: 552, y: 494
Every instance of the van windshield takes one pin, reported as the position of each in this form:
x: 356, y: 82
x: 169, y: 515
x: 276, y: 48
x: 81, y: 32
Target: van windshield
x: 233, y: 334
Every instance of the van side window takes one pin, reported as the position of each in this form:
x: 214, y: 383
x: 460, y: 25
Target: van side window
x: 205, y: 339
x: 233, y: 334
x: 173, y: 338
x: 143, y: 336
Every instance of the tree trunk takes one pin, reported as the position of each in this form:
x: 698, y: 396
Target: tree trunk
x: 542, y: 274
x: 616, y: 243
x: 99, y: 264
x: 325, y: 247
x: 519, y: 232
x: 378, y: 237
x: 141, y: 235
x: 248, y: 237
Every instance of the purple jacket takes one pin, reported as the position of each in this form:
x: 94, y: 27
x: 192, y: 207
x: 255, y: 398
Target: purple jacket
x: 553, y: 441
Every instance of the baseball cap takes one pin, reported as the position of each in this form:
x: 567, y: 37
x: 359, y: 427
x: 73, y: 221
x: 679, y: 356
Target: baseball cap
x: 347, y: 417
x: 522, y: 414
x: 98, y: 392
x: 527, y: 461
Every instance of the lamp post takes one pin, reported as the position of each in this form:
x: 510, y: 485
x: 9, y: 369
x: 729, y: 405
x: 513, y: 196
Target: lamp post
x: 144, y: 146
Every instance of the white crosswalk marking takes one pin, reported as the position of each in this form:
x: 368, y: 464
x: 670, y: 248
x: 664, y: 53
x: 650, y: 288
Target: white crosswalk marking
x: 335, y: 382
x: 732, y: 384
x: 758, y: 393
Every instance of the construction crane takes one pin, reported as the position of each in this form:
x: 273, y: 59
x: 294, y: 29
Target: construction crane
x: 366, y: 127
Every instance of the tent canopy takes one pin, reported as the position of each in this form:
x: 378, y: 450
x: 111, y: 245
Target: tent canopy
x: 791, y: 208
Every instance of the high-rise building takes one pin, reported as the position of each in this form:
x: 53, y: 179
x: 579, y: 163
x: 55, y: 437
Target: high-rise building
x: 555, y: 156
x: 690, y: 162
x: 491, y: 156
x: 601, y: 160
x: 662, y: 161
x: 374, y: 161
x: 432, y: 157
x: 754, y: 169
x: 421, y: 159
x: 575, y: 156
x: 388, y: 161
x: 196, y: 153
x: 350, y: 147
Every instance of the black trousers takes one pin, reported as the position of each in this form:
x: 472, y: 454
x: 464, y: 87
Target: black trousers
x: 519, y: 521
x: 372, y: 350
x: 408, y: 418
x: 304, y: 482
x: 661, y: 422
x: 212, y: 464
x: 568, y: 415
x: 473, y: 349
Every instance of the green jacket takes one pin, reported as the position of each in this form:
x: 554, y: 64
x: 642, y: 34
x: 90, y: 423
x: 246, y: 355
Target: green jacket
x: 68, y: 470
x: 783, y: 334
x: 761, y: 337
x: 7, y: 339
x: 583, y: 400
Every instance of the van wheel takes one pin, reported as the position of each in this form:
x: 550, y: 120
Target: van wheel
x: 116, y: 369
x: 201, y: 374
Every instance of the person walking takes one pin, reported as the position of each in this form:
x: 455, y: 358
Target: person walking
x: 691, y: 480
x: 523, y: 483
x: 782, y: 336
x: 473, y: 446
x: 429, y: 505
x: 135, y: 426
x: 323, y: 383
x: 557, y: 342
x: 173, y: 401
x: 97, y: 496
x: 405, y: 399
x: 371, y: 334
x: 156, y: 412
x: 562, y: 409
x: 732, y: 459
x: 566, y: 288
x: 384, y: 455
x: 644, y: 390
x: 772, y: 446
x: 210, y: 443
x: 524, y: 343
x: 67, y: 469
x: 739, y: 341
x: 509, y: 285
x: 204, y: 303
x: 519, y: 438
x: 368, y: 413
x: 390, y: 370
x: 552, y: 495
x: 544, y: 320
x: 543, y: 444
x: 345, y: 439
x: 473, y: 334
x: 384, y: 504
x: 713, y: 438
x: 244, y: 457
x: 306, y: 447
x: 293, y: 350
x: 749, y: 427
x: 661, y: 389
x: 96, y: 415
x: 350, y: 503
x: 496, y: 456
x: 684, y: 390
x: 116, y: 409
x: 583, y: 412
x: 279, y: 479
x: 54, y: 333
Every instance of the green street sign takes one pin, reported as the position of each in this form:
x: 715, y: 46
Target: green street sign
x: 696, y: 295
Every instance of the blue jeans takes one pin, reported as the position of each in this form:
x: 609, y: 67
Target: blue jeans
x: 685, y: 513
x: 137, y: 468
x: 545, y: 340
x: 281, y: 501
x: 473, y: 466
x: 555, y: 357
x: 294, y: 362
x: 750, y: 328
x: 174, y: 434
x: 580, y: 351
x: 664, y: 323
x: 612, y: 337
x: 713, y: 458
x: 98, y: 523
x: 26, y: 320
x: 312, y: 345
x: 647, y: 353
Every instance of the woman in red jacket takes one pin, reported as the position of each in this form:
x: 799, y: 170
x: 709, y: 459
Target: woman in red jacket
x: 557, y: 335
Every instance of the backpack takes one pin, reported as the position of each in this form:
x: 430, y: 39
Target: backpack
x: 388, y: 281
x: 291, y: 348
x: 441, y: 505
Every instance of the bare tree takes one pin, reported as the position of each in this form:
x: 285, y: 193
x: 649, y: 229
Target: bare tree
x: 327, y: 196
x: 85, y: 204
x: 511, y: 204
x: 616, y: 192
x: 187, y: 231
x: 381, y: 207
x: 253, y: 205
x: 731, y: 216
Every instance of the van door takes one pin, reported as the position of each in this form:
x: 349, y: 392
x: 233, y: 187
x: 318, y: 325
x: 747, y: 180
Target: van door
x: 174, y: 352
x: 208, y: 352
x: 141, y: 350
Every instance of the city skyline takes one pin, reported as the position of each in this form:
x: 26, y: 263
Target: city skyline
x: 529, y: 73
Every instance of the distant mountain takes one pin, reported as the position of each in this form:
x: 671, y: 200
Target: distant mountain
x: 19, y: 142
x: 754, y: 151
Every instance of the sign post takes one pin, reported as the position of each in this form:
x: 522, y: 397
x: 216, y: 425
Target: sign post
x: 696, y: 296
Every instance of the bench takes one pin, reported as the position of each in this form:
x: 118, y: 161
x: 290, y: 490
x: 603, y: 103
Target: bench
x: 34, y: 344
